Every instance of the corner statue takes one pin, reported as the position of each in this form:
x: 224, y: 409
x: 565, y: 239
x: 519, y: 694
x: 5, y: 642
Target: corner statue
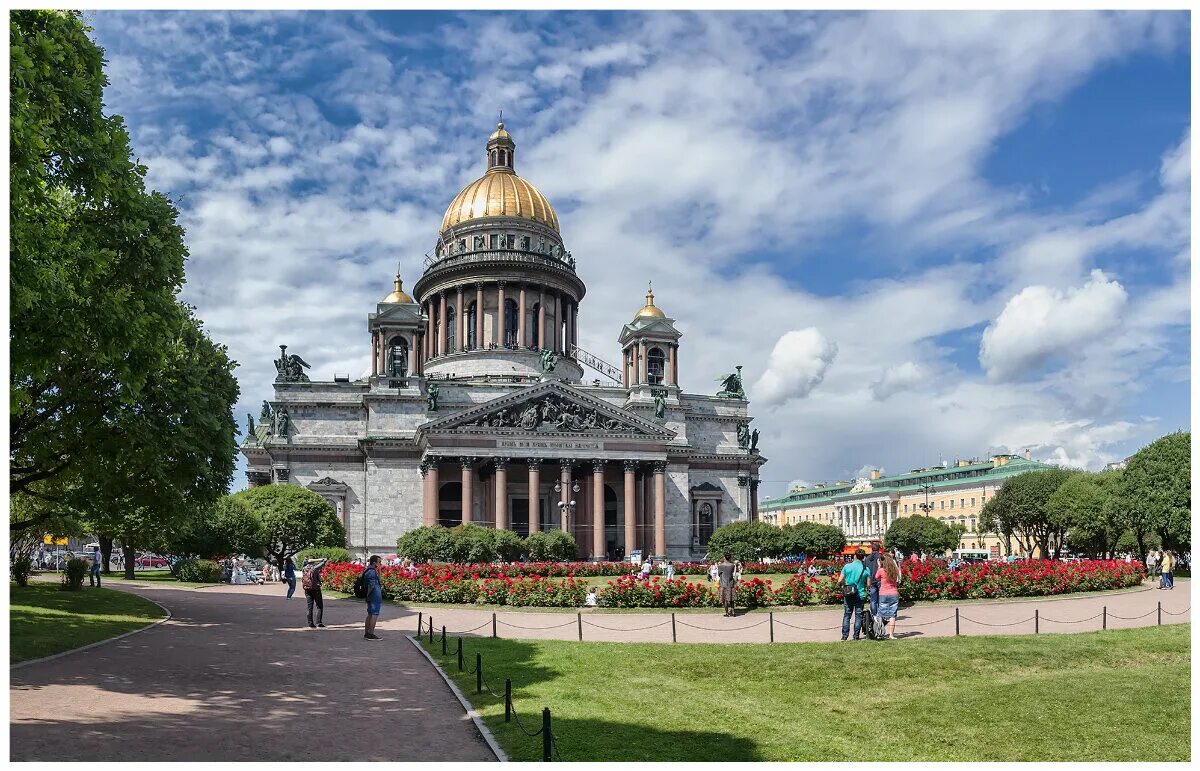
x: 290, y: 368
x: 754, y: 442
x: 731, y: 385
x: 249, y: 425
x: 743, y: 435
x: 265, y: 415
x: 432, y: 396
x: 660, y: 405
x: 549, y: 359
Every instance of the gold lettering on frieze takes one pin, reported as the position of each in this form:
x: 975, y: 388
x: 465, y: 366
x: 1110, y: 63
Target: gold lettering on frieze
x: 548, y: 444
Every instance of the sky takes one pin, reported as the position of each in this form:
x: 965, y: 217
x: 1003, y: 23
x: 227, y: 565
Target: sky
x: 924, y: 236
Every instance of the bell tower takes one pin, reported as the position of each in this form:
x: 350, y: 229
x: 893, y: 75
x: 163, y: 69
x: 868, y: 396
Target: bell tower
x: 397, y: 335
x: 650, y: 348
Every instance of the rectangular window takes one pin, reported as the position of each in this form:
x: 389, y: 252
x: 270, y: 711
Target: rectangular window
x: 952, y: 503
x: 943, y: 504
x: 512, y: 241
x: 972, y: 503
x: 495, y: 241
x: 962, y: 502
x: 525, y: 243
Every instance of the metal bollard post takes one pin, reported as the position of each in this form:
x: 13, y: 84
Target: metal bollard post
x: 1160, y: 613
x: 478, y: 673
x: 443, y: 639
x: 460, y: 656
x: 579, y: 624
x: 771, y: 625
x: 493, y: 626
x: 507, y: 700
x: 673, y: 628
x: 1104, y: 617
x: 420, y: 623
x: 547, y: 736
x: 956, y: 622
x: 1036, y: 621
x: 431, y: 630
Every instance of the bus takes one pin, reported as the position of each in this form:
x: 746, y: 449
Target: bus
x: 972, y: 555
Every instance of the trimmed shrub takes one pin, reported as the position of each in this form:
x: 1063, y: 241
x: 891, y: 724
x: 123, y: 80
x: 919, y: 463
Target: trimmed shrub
x: 508, y: 545
x: 551, y: 545
x: 198, y: 571
x: 22, y: 567
x: 74, y: 572
x: 425, y: 544
x: 331, y: 553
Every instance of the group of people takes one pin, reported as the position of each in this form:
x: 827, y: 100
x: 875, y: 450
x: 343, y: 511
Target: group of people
x: 873, y: 579
x: 647, y: 567
x: 1162, y: 564
x: 310, y: 583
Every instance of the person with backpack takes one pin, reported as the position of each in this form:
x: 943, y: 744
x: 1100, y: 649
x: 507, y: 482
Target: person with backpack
x: 853, y: 581
x: 310, y: 581
x: 871, y: 563
x: 289, y: 575
x: 887, y: 579
x: 368, y: 586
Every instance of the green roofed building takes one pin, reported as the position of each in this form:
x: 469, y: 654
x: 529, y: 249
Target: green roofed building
x: 864, y: 508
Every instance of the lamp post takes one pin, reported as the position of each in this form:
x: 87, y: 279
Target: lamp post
x: 566, y: 511
x: 926, y: 506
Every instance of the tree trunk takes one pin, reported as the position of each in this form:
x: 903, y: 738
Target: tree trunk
x: 106, y: 545
x: 127, y: 550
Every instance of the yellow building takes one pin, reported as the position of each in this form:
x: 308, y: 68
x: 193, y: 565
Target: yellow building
x: 864, y: 508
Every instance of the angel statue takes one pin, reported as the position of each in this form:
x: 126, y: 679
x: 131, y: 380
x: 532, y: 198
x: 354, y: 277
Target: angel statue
x: 281, y: 422
x: 549, y: 359
x: 290, y: 368
x: 432, y: 397
x: 731, y: 385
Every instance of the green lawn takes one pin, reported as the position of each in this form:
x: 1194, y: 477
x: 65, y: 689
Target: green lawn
x: 45, y: 620
x: 1104, y: 696
x: 153, y: 577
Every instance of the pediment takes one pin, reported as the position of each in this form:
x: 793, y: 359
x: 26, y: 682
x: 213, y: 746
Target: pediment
x: 550, y: 408
x: 398, y: 312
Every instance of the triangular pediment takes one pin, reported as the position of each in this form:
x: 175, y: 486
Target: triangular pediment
x: 551, y: 408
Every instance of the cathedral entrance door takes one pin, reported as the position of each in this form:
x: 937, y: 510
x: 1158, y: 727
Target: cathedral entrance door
x: 518, y: 515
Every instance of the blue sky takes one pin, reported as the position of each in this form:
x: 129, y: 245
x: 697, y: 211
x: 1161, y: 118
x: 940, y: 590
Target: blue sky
x: 924, y: 236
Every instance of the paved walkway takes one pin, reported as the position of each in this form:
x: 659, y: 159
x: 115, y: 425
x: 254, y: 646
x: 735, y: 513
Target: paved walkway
x: 237, y: 675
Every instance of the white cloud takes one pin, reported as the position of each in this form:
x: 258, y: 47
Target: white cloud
x: 1041, y: 323
x: 797, y: 365
x: 899, y: 377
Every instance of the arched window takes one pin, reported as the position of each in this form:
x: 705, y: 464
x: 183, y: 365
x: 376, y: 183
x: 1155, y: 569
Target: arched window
x: 472, y: 343
x: 655, y: 365
x: 397, y: 357
x: 536, y: 336
x: 451, y: 331
x: 510, y: 323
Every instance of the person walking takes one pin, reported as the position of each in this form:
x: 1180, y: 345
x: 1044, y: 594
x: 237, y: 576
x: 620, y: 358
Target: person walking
x: 310, y: 582
x: 374, y: 596
x: 887, y: 598
x: 1167, y: 570
x: 289, y: 575
x: 669, y: 570
x: 712, y: 573
x: 872, y: 564
x: 1151, y: 564
x: 94, y: 574
x: 726, y: 583
x: 853, y: 581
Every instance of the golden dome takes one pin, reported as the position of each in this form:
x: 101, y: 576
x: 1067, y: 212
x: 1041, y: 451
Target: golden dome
x: 500, y: 192
x: 398, y: 294
x: 650, y: 310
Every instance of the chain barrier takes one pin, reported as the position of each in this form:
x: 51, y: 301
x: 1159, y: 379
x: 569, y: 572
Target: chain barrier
x: 733, y: 629
x: 1150, y: 612
x: 535, y: 628
x: 928, y: 623
x: 1180, y: 613
x: 808, y: 629
x: 984, y: 623
x: 633, y: 629
x: 1078, y: 621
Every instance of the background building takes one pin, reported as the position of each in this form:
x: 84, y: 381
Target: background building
x: 476, y: 409
x: 864, y: 509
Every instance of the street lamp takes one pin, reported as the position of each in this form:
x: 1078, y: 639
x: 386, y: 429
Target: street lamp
x: 926, y: 506
x: 566, y: 509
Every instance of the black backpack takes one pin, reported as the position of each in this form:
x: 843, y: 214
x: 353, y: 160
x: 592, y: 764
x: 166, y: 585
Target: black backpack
x: 360, y: 586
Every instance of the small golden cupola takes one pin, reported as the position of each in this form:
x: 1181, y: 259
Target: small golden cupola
x: 398, y: 294
x: 650, y: 310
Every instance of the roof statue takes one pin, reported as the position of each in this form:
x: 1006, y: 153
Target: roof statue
x: 290, y: 368
x: 731, y: 385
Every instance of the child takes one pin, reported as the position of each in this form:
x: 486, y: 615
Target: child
x: 591, y: 600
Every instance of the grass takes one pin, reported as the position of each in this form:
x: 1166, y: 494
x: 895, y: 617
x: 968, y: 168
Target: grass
x: 1105, y: 696
x: 153, y: 577
x: 46, y: 620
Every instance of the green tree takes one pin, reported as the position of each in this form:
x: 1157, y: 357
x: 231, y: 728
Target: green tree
x: 230, y: 527
x: 509, y: 546
x: 551, y: 546
x: 747, y: 541
x: 293, y: 518
x: 472, y: 543
x: 1085, y: 503
x: 425, y: 544
x: 921, y: 535
x: 1154, y: 495
x: 1019, y: 510
x: 811, y: 538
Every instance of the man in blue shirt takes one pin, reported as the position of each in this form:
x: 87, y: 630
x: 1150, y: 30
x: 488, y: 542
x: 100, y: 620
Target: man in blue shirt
x: 374, y: 596
x: 853, y: 581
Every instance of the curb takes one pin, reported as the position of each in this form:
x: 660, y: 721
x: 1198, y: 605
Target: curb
x: 98, y: 643
x: 466, y: 705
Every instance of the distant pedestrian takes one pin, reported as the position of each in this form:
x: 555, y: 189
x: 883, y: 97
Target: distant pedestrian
x: 1151, y: 564
x: 1167, y: 569
x: 712, y: 573
x: 853, y: 580
x: 95, y: 570
x: 289, y: 575
x: 737, y: 571
x: 669, y: 570
x: 726, y: 588
x: 871, y: 563
x: 647, y: 566
x: 374, y: 595
x: 887, y: 600
x: 310, y: 582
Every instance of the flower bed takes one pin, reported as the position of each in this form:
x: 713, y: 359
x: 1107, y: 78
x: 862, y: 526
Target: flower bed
x: 923, y: 580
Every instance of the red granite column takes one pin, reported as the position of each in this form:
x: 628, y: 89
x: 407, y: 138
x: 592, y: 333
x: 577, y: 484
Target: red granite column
x: 598, y: 543
x: 535, y: 484
x: 564, y: 482
x: 630, y: 508
x: 467, y: 502
x: 502, y: 493
x: 660, y: 508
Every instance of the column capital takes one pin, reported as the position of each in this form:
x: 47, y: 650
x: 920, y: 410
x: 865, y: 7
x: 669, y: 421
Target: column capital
x: 533, y: 463
x: 660, y: 466
x: 754, y: 482
x: 598, y: 465
x: 743, y: 481
x: 501, y: 284
x: 630, y: 465
x: 566, y: 464
x: 501, y: 463
x: 479, y: 285
x: 430, y: 460
x: 467, y: 461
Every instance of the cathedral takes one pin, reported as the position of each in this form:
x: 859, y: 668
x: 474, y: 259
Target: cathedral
x: 478, y: 407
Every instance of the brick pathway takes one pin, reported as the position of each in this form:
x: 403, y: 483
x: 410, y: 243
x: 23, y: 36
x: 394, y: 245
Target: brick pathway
x: 237, y: 675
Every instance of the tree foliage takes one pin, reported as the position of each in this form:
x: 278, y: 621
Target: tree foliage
x: 1154, y: 494
x: 551, y: 546
x: 1085, y: 504
x: 921, y: 535
x: 810, y: 538
x: 293, y: 518
x: 229, y: 527
x: 1020, y: 510
x: 746, y: 541
x: 424, y: 544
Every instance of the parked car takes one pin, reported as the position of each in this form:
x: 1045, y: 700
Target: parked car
x: 151, y: 562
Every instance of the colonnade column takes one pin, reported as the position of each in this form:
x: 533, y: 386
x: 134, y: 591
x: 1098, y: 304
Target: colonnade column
x: 467, y: 501
x: 630, y: 507
x: 558, y: 304
x: 502, y: 493
x: 413, y: 356
x: 674, y: 365
x: 669, y: 368
x: 535, y: 495
x: 478, y: 314
x: 574, y: 323
x: 660, y: 508
x: 501, y: 321
x: 441, y: 341
x: 375, y: 353
x: 564, y: 481
x: 598, y: 541
x: 541, y: 322
x: 432, y: 490
x: 522, y: 341
x: 428, y: 329
x: 460, y: 321
x: 641, y: 362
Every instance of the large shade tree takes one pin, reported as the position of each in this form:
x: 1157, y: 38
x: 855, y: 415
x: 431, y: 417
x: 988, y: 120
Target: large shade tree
x: 923, y: 535
x: 1020, y: 510
x: 1085, y: 503
x: 1154, y: 495
x: 293, y: 518
x: 746, y: 541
